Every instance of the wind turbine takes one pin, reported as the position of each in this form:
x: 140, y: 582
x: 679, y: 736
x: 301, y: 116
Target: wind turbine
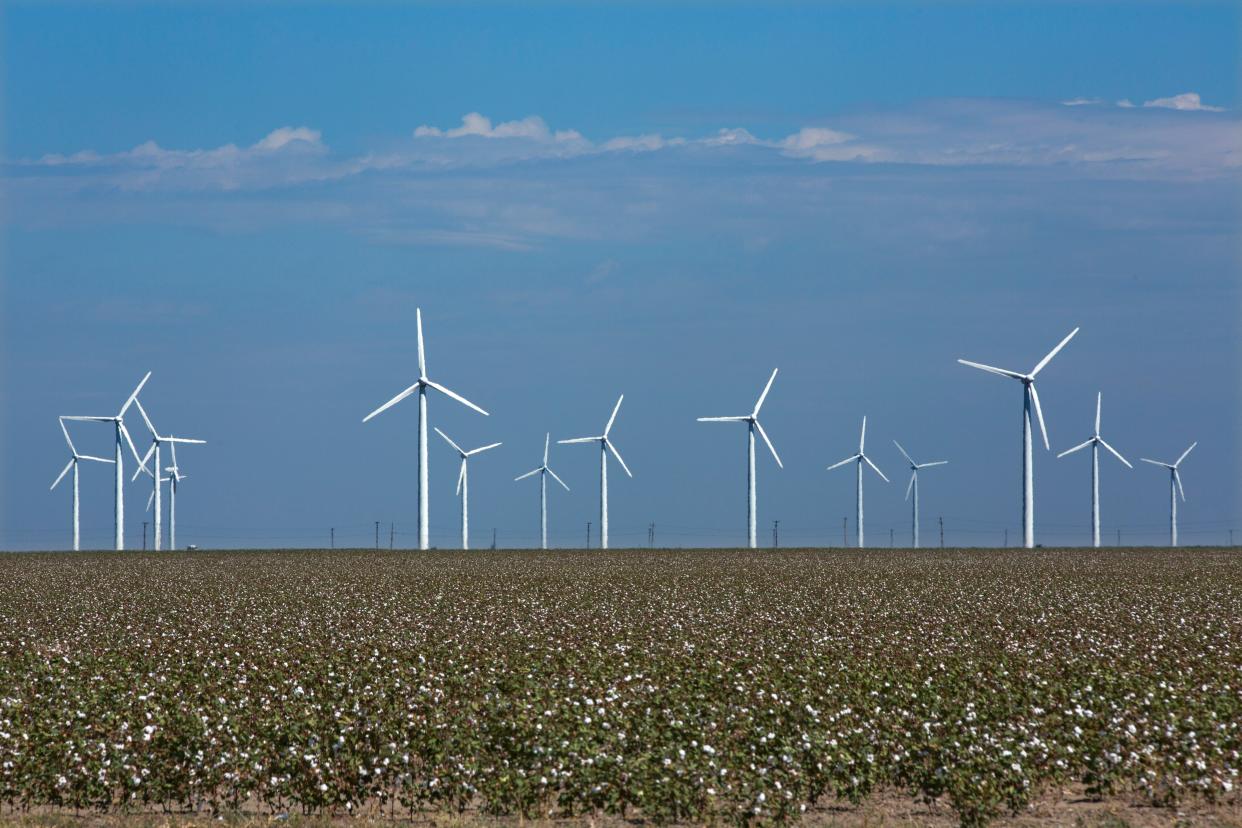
x: 421, y: 388
x: 156, y: 442
x: 752, y: 424
x: 177, y: 477
x: 119, y: 482
x: 543, y: 472
x: 605, y: 446
x: 1029, y: 398
x: 1175, y: 488
x: 463, y: 484
x: 73, y: 463
x: 859, y: 459
x: 914, y: 487
x: 1095, y: 442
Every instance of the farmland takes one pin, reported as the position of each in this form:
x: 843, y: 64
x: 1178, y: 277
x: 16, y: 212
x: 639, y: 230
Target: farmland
x: 672, y: 686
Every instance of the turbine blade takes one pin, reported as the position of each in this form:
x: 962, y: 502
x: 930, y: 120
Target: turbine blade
x: 455, y: 396
x: 61, y: 476
x: 764, y: 395
x: 582, y: 440
x: 176, y: 440
x: 142, y: 464
x: 1077, y: 447
x: 134, y: 395
x: 849, y: 459
x: 910, y: 485
x: 1156, y: 463
x: 145, y: 418
x: 422, y: 360
x: 407, y: 392
x: 1116, y: 453
x: 875, y: 468
x: 547, y: 438
x: 554, y: 477
x: 460, y: 475
x: 174, y: 455
x: 771, y: 447
x: 1039, y: 413
x: 528, y: 474
x: 615, y: 409
x: 1002, y: 371
x: 1177, y: 477
x: 933, y: 463
x: 1187, y: 451
x: 1098, y: 397
x: 96, y: 459
x: 72, y: 448
x: 617, y: 455
x: 723, y: 419
x: 90, y: 419
x: 447, y: 440
x: 150, y: 499
x: 903, y: 453
x: 482, y: 449
x: 1053, y: 353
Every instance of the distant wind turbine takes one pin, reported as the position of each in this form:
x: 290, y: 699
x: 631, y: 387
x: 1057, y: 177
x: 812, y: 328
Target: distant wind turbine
x: 73, y: 463
x: 421, y: 388
x: 913, y: 486
x: 859, y: 459
x: 605, y: 446
x: 1095, y: 442
x: 119, y: 482
x: 1175, y: 488
x: 463, y: 484
x: 543, y: 472
x: 1029, y: 398
x: 177, y: 477
x: 156, y: 442
x: 752, y: 486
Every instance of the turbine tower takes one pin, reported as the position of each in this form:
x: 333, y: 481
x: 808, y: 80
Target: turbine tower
x: 859, y: 459
x: 543, y: 472
x: 421, y: 388
x: 913, y: 486
x: 463, y: 484
x: 1175, y: 488
x: 156, y: 442
x: 605, y: 446
x: 73, y: 463
x: 1030, y: 398
x: 1095, y: 442
x: 752, y: 425
x: 118, y: 422
x: 177, y: 477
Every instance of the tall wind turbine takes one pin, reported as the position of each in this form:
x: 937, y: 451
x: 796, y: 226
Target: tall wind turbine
x: 421, y: 388
x: 156, y: 442
x: 119, y: 481
x: 913, y: 486
x: 1029, y: 398
x: 1175, y: 488
x: 1095, y: 442
x: 752, y: 425
x: 859, y: 459
x: 605, y: 446
x: 543, y: 472
x: 463, y: 484
x: 73, y: 463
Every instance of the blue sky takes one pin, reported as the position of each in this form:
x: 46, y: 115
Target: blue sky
x: 589, y: 200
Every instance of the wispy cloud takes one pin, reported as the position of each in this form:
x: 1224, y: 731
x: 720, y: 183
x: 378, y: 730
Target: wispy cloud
x: 1187, y: 102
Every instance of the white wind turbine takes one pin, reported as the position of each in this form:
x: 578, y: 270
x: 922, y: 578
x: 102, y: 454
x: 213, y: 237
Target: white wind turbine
x: 1095, y: 442
x: 605, y: 446
x: 463, y: 484
x: 752, y: 424
x: 543, y: 472
x: 1175, y: 488
x: 859, y: 459
x: 119, y: 482
x: 1030, y: 398
x: 913, y: 486
x: 73, y: 463
x: 177, y: 477
x: 156, y: 441
x: 421, y: 388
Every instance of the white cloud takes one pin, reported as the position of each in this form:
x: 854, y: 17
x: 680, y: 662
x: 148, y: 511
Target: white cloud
x: 1187, y: 102
x: 532, y: 127
x: 1081, y: 102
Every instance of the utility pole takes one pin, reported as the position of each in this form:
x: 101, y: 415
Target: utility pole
x: 332, y: 536
x: 144, y: 536
x: 890, y: 537
x: 377, y: 535
x: 942, y: 532
x: 588, y: 546
x: 1006, y: 538
x: 845, y: 534
x: 493, y: 537
x: 1119, y: 537
x: 650, y: 535
x: 776, y: 534
x: 392, y: 530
